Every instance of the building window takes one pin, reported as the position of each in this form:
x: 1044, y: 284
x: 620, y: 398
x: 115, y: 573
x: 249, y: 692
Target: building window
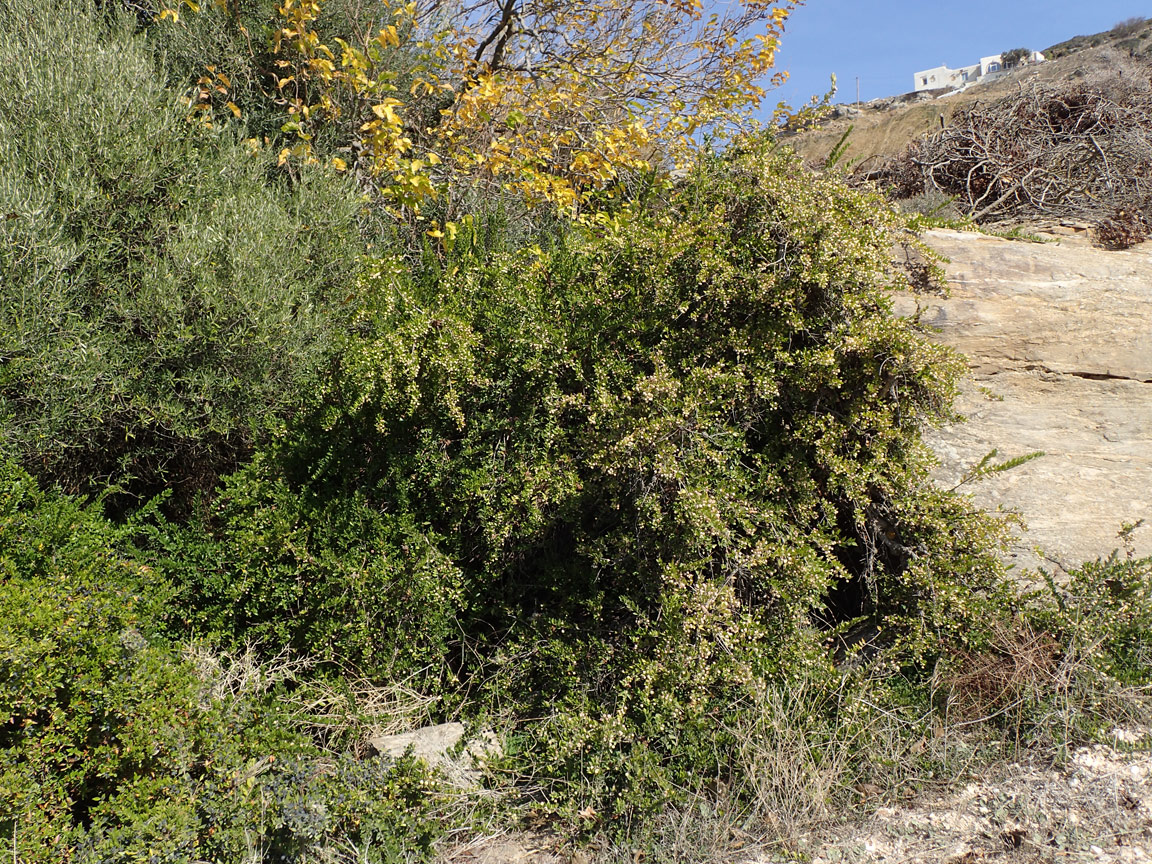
x: 993, y: 67
x: 924, y: 81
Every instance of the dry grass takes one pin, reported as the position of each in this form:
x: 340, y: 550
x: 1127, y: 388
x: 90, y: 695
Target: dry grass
x: 837, y: 776
x: 798, y: 772
x: 340, y: 713
x: 239, y: 674
x: 806, y: 760
x: 349, y: 712
x: 1097, y: 807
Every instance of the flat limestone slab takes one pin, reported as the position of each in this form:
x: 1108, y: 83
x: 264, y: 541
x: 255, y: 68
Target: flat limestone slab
x: 1059, y: 341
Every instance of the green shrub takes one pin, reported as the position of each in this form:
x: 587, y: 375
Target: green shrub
x: 1105, y: 611
x: 167, y: 292
x: 664, y: 459
x: 1064, y: 664
x: 115, y: 746
x: 327, y: 578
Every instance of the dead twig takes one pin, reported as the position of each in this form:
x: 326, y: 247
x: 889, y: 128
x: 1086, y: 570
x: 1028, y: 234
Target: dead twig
x: 1079, y: 151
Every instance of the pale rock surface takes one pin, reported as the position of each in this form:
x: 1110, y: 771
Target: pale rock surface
x: 430, y: 743
x: 1059, y: 341
x: 439, y: 747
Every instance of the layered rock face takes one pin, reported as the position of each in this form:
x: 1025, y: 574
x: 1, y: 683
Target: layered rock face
x: 1059, y: 341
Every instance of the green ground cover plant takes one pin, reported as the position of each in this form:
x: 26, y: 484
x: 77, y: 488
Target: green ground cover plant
x: 116, y: 744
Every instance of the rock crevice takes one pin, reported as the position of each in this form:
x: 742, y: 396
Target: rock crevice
x: 1088, y: 376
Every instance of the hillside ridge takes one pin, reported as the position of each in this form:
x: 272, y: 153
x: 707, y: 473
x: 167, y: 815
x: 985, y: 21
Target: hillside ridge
x: 882, y: 128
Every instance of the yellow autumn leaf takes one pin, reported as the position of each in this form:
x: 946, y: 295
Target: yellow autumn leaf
x: 231, y: 106
x: 339, y: 164
x: 389, y: 37
x: 324, y: 67
x: 386, y: 111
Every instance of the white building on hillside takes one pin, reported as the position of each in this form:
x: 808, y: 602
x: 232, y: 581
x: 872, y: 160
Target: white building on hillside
x: 987, y: 69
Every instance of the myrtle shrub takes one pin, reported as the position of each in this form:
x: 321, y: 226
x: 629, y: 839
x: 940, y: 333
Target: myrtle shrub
x: 167, y: 291
x: 663, y: 460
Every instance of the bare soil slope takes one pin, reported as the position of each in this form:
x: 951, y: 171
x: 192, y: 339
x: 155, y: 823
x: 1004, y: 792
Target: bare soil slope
x: 1096, y: 808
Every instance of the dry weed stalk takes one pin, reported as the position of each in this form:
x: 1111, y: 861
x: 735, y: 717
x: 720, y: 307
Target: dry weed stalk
x: 1039, y: 690
x: 239, y: 674
x: 1018, y: 668
x: 793, y: 776
x: 353, y: 710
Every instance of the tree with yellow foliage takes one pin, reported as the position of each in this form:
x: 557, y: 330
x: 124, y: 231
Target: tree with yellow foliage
x: 549, y: 99
x: 568, y: 94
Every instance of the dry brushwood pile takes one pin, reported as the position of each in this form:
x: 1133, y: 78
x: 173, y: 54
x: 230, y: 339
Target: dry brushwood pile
x: 1071, y: 151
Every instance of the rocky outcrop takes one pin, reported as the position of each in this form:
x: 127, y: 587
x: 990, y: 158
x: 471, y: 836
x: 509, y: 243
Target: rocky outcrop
x: 1059, y: 341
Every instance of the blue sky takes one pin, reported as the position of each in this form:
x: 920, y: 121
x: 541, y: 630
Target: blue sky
x: 886, y: 41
